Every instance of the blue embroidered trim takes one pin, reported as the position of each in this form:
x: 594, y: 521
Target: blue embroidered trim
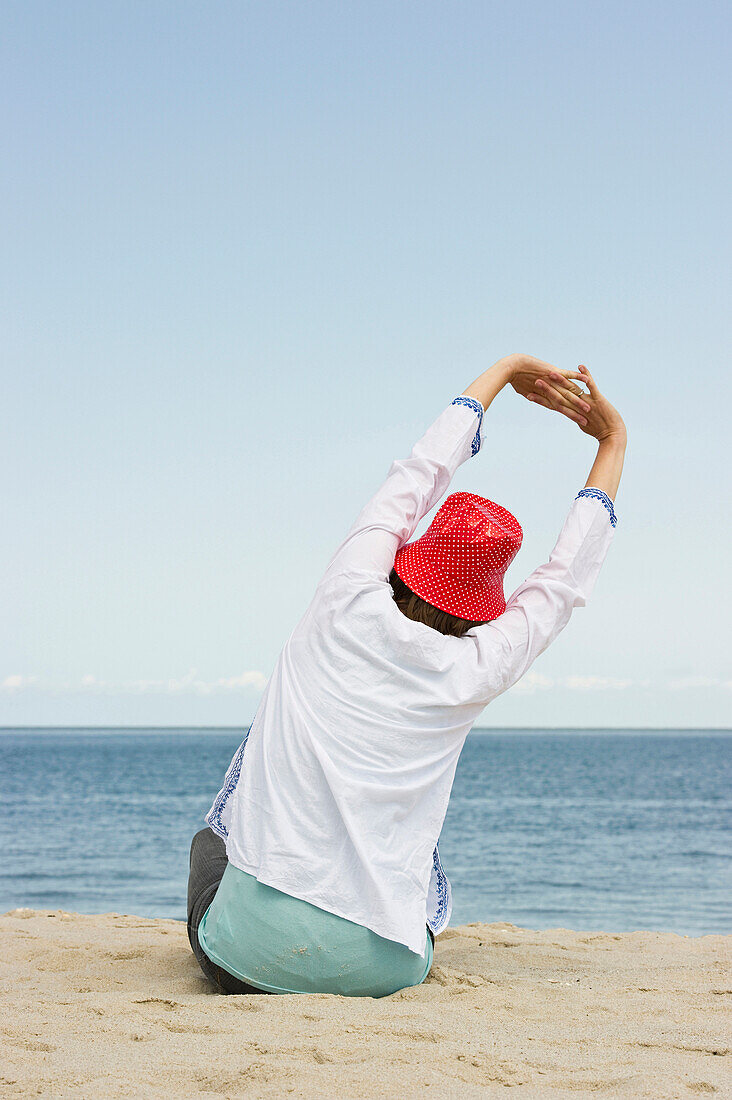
x: 601, y: 495
x: 476, y: 406
x: 213, y: 817
x: 439, y: 920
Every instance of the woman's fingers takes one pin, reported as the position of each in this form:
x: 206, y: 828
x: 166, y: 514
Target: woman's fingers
x: 553, y: 399
x: 589, y: 381
x: 562, y: 396
x: 540, y: 399
x: 576, y: 416
x: 558, y: 390
x: 563, y: 381
x: 563, y: 384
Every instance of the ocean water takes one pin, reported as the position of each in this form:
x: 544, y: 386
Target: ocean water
x: 613, y: 831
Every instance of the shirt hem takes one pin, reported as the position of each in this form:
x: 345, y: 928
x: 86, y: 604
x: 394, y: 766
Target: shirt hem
x: 326, y: 908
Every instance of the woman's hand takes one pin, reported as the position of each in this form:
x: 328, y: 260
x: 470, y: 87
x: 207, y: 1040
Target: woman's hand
x: 534, y: 379
x: 528, y: 375
x: 599, y: 418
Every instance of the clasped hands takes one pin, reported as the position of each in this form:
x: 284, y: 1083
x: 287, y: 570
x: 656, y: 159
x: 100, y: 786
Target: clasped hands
x: 557, y: 389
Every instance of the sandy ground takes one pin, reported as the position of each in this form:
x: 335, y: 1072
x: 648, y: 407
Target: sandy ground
x: 116, y: 1006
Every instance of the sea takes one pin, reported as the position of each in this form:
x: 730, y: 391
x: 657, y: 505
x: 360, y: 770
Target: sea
x: 613, y: 830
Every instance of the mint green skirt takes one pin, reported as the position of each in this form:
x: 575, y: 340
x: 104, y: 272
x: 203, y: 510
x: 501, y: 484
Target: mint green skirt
x: 282, y: 944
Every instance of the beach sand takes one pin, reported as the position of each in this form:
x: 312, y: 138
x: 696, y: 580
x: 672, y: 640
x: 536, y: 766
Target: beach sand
x: 117, y: 1006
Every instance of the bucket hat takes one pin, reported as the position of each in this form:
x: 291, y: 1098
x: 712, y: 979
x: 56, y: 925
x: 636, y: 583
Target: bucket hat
x: 458, y: 564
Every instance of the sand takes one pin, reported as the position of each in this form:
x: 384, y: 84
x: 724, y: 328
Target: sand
x: 117, y: 1006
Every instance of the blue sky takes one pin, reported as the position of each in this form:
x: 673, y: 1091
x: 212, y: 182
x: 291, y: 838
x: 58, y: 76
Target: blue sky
x: 251, y: 251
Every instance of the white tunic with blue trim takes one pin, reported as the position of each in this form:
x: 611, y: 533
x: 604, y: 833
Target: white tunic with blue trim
x: 339, y: 791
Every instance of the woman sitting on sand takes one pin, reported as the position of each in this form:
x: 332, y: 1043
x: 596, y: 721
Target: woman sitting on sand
x: 320, y: 870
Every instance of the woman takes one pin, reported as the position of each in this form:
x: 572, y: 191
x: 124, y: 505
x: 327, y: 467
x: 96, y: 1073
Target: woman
x: 320, y: 870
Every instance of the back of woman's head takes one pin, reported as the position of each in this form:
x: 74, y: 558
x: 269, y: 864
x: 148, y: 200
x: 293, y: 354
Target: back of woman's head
x: 414, y: 607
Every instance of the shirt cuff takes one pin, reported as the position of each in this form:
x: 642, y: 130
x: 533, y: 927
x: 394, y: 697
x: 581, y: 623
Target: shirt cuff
x: 476, y: 406
x: 601, y: 495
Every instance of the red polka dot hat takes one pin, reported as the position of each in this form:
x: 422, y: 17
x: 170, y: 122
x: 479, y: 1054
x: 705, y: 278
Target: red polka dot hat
x: 459, y: 562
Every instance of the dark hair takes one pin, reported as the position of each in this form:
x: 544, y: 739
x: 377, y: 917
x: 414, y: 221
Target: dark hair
x: 414, y: 607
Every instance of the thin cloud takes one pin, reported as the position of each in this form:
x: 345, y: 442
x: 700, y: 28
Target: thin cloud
x: 16, y: 682
x: 536, y: 681
x: 191, y: 683
x: 684, y: 683
x: 596, y: 683
x: 254, y: 680
x: 531, y: 682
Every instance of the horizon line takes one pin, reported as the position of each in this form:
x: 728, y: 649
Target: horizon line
x: 484, y: 729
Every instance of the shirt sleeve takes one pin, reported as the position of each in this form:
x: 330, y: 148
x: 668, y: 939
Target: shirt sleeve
x: 540, y: 608
x: 412, y: 487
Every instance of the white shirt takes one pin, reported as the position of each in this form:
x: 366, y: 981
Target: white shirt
x: 339, y: 791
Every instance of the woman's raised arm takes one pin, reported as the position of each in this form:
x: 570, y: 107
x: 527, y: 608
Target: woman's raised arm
x: 601, y: 420
x: 540, y: 608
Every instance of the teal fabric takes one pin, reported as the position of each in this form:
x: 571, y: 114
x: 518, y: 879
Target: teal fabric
x: 285, y: 945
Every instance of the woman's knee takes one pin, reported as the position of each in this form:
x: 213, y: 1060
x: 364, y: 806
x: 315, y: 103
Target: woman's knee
x: 206, y: 843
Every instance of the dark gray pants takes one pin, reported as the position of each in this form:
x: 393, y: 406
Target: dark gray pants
x: 207, y: 865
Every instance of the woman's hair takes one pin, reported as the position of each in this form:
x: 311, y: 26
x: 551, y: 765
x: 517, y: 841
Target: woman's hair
x: 414, y: 607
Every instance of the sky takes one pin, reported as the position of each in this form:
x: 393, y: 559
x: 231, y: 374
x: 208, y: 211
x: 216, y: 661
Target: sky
x: 252, y: 250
